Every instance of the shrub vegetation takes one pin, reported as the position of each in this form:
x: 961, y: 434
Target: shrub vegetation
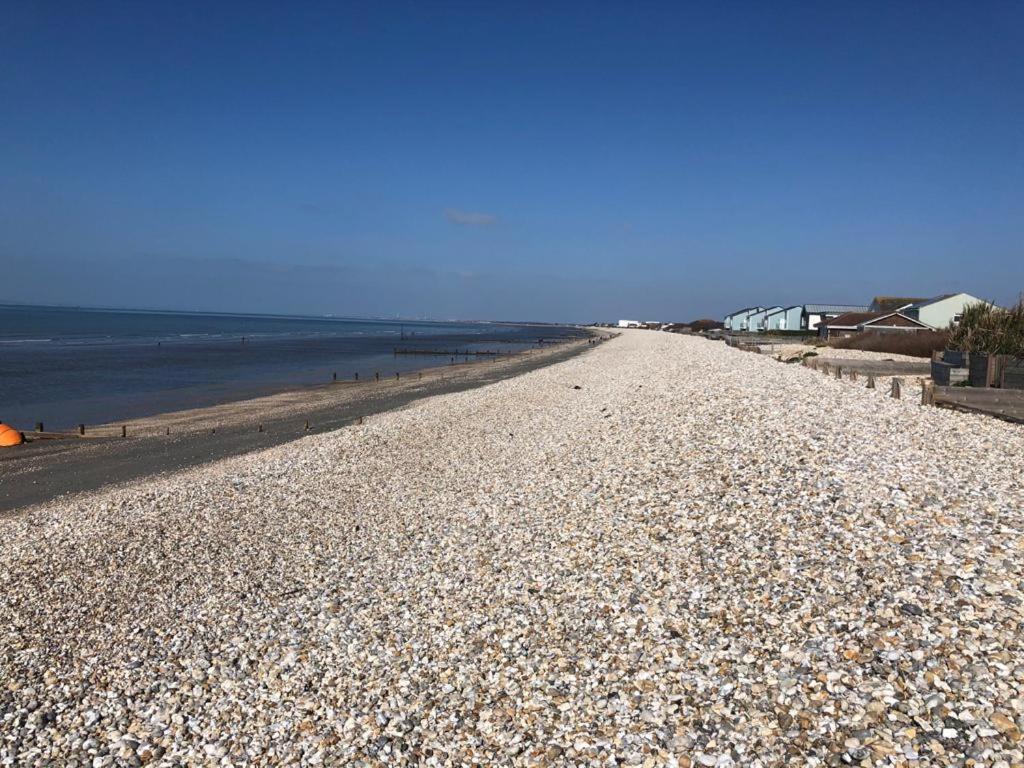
x: 915, y: 344
x: 988, y: 329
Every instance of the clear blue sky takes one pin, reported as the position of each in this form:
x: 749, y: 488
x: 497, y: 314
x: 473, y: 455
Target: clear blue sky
x: 542, y: 161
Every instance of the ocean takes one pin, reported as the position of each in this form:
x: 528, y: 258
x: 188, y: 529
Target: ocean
x: 64, y: 366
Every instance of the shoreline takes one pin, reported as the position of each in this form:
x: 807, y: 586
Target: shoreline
x: 45, y: 469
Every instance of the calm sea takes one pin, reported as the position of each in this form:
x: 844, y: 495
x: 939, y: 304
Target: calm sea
x: 69, y: 366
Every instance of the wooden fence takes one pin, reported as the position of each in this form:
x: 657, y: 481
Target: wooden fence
x: 1006, y: 403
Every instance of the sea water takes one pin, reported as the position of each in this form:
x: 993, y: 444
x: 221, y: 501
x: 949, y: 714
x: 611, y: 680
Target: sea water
x: 64, y: 366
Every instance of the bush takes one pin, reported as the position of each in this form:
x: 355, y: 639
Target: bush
x: 913, y: 343
x: 988, y: 329
x: 705, y: 324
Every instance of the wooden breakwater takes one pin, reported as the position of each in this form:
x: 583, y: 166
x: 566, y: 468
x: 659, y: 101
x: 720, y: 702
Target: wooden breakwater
x: 1005, y: 403
x: 872, y: 367
x: 451, y: 352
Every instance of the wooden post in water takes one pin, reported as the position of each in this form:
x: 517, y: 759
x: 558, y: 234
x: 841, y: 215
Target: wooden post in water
x: 168, y: 431
x: 39, y: 426
x: 307, y: 425
x: 896, y: 391
x: 260, y: 428
x: 81, y: 429
x: 124, y: 431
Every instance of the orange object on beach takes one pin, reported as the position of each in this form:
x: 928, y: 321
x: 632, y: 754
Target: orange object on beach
x: 9, y: 436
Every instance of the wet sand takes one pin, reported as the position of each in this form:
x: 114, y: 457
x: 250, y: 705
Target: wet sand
x: 46, y: 469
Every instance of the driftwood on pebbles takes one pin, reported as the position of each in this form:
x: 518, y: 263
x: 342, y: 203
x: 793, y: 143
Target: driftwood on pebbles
x: 736, y: 563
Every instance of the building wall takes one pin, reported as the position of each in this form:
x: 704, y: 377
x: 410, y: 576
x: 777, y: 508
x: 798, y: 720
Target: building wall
x: 941, y: 313
x: 813, y: 319
x: 791, y: 320
x: 756, y: 320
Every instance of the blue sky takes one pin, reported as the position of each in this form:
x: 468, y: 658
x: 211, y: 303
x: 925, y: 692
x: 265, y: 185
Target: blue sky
x: 519, y: 161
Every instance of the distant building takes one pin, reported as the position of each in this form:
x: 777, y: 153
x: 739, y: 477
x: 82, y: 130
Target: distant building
x: 813, y: 314
x: 756, y: 321
x: 737, y: 321
x: 942, y: 311
x: 850, y: 323
x: 629, y: 323
x: 893, y: 303
x: 784, y: 319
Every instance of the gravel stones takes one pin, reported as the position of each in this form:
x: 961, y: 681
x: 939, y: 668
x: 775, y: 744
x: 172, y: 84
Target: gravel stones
x: 702, y: 557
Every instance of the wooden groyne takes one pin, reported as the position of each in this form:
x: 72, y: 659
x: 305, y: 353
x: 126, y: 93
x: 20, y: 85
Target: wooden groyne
x: 873, y: 367
x: 451, y: 352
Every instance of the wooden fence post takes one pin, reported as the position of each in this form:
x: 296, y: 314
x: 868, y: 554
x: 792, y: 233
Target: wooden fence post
x: 853, y: 375
x: 39, y: 426
x: 81, y: 429
x: 927, y: 392
x: 871, y: 381
x: 896, y: 390
x: 839, y: 372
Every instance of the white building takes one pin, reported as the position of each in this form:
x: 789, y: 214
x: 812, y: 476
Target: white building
x: 942, y: 311
x: 629, y: 323
x: 814, y: 313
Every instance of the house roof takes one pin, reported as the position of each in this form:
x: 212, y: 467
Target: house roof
x: 744, y: 311
x: 925, y: 302
x: 895, y: 318
x: 779, y: 310
x: 890, y: 303
x: 852, y: 319
x: 856, y: 319
x: 819, y: 308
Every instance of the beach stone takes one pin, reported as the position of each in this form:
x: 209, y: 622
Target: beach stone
x: 700, y: 557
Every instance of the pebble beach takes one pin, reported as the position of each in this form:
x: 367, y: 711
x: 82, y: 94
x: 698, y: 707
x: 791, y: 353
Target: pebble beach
x: 660, y: 552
